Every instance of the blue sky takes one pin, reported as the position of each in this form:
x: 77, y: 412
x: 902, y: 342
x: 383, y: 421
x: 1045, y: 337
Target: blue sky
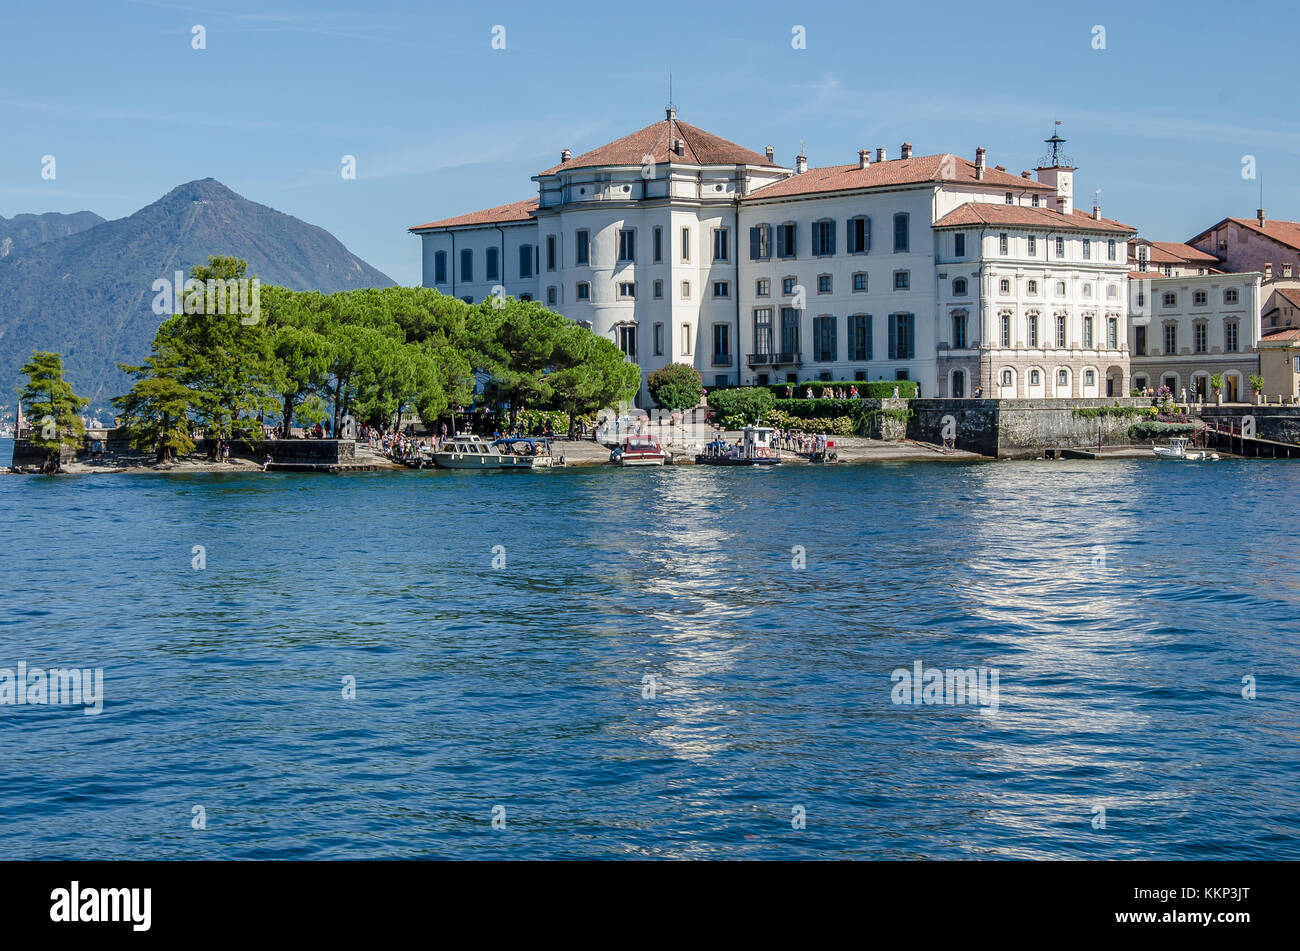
x: 442, y: 123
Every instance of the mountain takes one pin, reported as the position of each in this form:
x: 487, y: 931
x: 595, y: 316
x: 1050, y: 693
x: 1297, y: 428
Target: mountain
x: 23, y: 231
x: 89, y: 294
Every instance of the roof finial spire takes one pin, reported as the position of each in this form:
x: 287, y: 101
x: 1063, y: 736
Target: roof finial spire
x: 671, y: 111
x: 1056, y: 142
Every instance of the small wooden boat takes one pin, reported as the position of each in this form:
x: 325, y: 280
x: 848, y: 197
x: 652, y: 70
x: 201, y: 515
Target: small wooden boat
x: 470, y: 452
x: 640, y: 451
x: 1177, y: 451
x: 755, y: 449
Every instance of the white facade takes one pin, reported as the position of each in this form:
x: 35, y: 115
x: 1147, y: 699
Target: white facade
x: 703, y: 253
x: 1188, y: 328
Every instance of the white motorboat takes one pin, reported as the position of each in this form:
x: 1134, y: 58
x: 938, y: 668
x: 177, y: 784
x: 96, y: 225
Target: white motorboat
x: 470, y: 452
x: 1177, y: 451
x: 640, y: 451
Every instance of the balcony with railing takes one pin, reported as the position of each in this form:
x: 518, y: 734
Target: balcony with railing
x: 787, y: 358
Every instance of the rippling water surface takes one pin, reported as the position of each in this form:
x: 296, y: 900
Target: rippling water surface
x: 1121, y: 603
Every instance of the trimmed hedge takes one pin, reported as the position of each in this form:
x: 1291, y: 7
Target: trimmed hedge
x: 817, y: 409
x: 867, y: 389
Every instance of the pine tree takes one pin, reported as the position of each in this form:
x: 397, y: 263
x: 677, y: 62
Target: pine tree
x: 52, y: 408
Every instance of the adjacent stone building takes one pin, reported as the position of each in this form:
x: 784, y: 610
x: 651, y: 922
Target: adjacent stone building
x: 1242, y: 244
x: 1188, y: 328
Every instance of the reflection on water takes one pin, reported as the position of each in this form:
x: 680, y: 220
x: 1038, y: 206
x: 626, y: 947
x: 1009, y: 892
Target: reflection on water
x: 1122, y: 604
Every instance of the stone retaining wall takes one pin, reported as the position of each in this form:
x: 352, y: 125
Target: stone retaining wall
x: 1019, y: 428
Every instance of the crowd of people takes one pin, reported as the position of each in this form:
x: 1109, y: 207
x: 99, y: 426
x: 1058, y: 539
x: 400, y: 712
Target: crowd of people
x: 801, y: 443
x: 828, y: 392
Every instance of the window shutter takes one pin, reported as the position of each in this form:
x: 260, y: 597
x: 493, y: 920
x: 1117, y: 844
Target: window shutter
x: 893, y: 337
x: 753, y: 244
x: 817, y: 238
x: 911, y: 336
x: 830, y: 234
x: 867, y: 227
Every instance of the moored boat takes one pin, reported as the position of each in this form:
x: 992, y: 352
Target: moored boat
x: 754, y: 449
x: 1177, y: 451
x: 640, y: 451
x: 468, y: 451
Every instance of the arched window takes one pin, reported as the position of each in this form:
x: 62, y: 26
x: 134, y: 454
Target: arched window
x: 1062, y: 377
x: 1033, y: 377
x: 1006, y: 377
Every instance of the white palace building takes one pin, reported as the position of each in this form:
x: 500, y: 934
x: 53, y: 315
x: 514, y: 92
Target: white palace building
x: 683, y: 247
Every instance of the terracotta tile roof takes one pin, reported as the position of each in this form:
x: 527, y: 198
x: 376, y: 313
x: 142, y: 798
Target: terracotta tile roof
x: 1171, y: 252
x: 1281, y: 336
x: 975, y: 213
x: 1283, y: 232
x: 515, y: 211
x: 699, y: 148
x: 1289, y: 294
x: 917, y: 170
x: 1145, y: 275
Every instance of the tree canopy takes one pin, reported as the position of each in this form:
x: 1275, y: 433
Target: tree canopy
x: 676, y: 386
x: 369, y: 354
x: 52, y: 408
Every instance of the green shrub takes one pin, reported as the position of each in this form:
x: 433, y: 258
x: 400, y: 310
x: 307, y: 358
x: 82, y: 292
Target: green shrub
x: 827, y: 426
x: 1149, y: 429
x: 676, y: 386
x: 748, y: 402
x: 1123, y: 412
x: 534, y: 420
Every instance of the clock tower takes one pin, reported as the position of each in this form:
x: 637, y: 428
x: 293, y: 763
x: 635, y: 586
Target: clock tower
x: 1056, y: 169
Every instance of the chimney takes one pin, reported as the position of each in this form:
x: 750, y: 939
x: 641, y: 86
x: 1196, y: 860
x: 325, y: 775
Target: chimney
x: 1259, y: 215
x: 565, y: 155
x: 864, y: 158
x: 979, y: 163
x: 800, y: 164
x: 1024, y: 174
x: 1096, y: 211
x: 771, y: 153
x: 1268, y: 272
x: 907, y: 150
x: 880, y: 155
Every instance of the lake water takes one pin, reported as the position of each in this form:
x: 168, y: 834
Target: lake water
x: 646, y: 671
